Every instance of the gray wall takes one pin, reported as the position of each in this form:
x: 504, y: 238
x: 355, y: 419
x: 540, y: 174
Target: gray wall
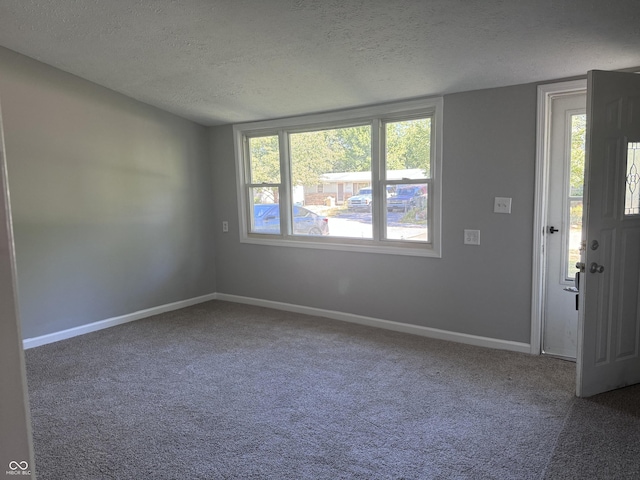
x: 115, y: 212
x: 111, y: 200
x: 488, y: 151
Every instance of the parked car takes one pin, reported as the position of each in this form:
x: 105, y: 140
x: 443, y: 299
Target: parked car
x: 361, y: 201
x: 266, y: 219
x: 407, y: 197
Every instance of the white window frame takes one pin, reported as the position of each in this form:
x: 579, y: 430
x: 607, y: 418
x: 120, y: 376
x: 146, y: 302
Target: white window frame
x: 376, y: 116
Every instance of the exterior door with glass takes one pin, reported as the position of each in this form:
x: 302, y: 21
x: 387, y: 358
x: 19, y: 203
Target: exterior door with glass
x: 609, y: 318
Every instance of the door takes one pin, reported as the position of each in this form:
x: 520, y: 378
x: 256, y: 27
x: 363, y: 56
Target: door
x: 563, y: 229
x: 609, y: 317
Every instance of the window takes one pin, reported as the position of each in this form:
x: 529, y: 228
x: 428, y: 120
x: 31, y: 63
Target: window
x: 632, y: 180
x: 575, y: 188
x: 379, y: 172
x: 407, y: 173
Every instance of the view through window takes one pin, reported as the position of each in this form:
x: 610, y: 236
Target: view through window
x: 336, y: 159
x: 408, y: 167
x: 342, y: 183
x: 575, y: 189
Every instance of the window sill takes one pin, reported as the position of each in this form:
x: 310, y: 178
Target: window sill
x: 346, y: 245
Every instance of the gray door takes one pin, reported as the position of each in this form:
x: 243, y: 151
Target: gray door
x: 609, y: 317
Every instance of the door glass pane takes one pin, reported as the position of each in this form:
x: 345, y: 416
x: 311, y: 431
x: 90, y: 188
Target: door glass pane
x: 576, y: 187
x: 264, y: 158
x: 632, y: 196
x: 339, y: 159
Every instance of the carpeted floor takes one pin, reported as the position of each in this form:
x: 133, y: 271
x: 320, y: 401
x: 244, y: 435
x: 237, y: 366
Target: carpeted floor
x: 227, y: 391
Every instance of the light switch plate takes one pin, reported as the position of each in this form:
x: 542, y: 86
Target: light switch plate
x: 472, y: 237
x: 502, y: 205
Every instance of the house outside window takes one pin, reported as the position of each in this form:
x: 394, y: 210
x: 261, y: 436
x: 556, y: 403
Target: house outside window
x: 368, y: 179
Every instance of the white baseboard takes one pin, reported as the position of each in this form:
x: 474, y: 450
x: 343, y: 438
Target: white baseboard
x: 386, y: 324
x: 112, y: 322
x: 346, y: 317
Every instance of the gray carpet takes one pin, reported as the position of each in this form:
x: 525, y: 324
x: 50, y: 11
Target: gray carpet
x: 226, y: 391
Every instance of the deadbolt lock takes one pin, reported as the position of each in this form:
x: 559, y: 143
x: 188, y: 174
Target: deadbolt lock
x: 594, y: 245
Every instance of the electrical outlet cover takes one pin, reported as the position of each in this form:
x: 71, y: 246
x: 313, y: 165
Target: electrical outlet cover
x: 502, y: 205
x: 472, y: 237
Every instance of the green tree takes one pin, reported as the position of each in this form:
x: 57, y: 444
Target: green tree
x: 265, y: 159
x: 578, y: 134
x: 341, y: 150
x: 329, y: 151
x: 311, y: 156
x: 352, y: 149
x: 409, y: 145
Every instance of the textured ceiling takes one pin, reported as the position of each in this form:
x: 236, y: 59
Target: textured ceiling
x: 227, y: 61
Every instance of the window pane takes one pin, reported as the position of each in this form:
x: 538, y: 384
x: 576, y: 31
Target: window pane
x: 574, y: 238
x: 407, y: 213
x: 265, y: 210
x: 576, y: 187
x: 578, y: 131
x: 408, y: 149
x: 632, y: 196
x: 264, y: 159
x: 340, y: 160
x: 307, y: 222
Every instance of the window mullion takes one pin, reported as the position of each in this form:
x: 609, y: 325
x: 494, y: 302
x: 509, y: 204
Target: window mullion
x: 246, y: 174
x: 377, y: 165
x: 286, y: 221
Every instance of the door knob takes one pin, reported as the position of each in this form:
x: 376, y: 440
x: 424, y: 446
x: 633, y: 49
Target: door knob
x: 595, y: 268
x: 581, y: 266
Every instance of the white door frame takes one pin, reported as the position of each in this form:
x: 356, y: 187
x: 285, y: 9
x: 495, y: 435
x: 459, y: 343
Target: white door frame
x: 546, y: 93
x: 16, y: 443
